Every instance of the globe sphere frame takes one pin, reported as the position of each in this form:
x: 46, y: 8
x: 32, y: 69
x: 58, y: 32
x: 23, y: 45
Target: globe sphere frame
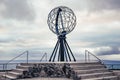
x: 66, y: 22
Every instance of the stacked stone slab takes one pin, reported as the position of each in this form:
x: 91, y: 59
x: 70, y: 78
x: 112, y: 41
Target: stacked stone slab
x: 83, y: 71
x: 16, y: 73
x: 30, y: 70
x: 92, y: 71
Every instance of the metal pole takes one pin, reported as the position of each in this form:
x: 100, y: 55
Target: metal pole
x: 70, y: 51
x: 67, y: 51
x: 85, y: 56
x: 5, y: 71
x: 62, y: 50
x: 88, y: 57
x: 27, y: 57
x: 112, y: 66
x: 46, y: 56
x: 3, y: 67
x: 53, y: 51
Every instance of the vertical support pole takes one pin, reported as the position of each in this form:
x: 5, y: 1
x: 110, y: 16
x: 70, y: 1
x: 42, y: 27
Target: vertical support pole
x: 67, y: 51
x: 85, y: 55
x: 3, y: 67
x: 62, y: 51
x: 88, y: 57
x: 53, y: 51
x: 70, y: 51
x: 46, y: 56
x: 27, y: 57
x: 58, y: 57
x: 66, y: 57
x: 5, y: 71
x: 112, y: 67
x: 59, y: 54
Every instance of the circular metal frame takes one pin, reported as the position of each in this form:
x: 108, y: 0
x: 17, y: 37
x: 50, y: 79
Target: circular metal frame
x: 66, y: 20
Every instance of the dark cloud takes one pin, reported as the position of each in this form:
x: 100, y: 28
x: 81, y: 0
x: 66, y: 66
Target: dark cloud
x: 104, y: 40
x: 17, y: 9
x: 113, y: 50
x: 99, y: 39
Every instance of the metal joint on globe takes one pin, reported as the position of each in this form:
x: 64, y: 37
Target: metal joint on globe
x: 61, y: 21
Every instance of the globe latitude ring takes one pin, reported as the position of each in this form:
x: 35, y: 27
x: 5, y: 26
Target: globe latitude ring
x: 66, y: 22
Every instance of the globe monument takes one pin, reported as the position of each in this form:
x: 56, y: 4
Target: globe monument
x: 61, y: 21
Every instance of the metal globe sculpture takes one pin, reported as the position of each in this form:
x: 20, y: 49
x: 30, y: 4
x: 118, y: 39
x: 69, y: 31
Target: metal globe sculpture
x: 61, y: 21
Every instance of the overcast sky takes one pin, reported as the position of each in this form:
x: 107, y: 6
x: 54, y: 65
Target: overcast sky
x: 23, y: 26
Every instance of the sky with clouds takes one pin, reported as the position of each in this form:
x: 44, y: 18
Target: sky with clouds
x: 23, y: 26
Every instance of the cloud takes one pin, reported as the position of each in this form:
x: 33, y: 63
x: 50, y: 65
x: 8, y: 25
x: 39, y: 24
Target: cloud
x: 108, y: 50
x: 17, y: 9
x: 4, y: 41
x: 96, y: 5
x: 88, y: 5
x: 23, y: 26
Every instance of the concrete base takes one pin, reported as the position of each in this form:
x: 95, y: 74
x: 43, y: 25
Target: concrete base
x: 62, y: 71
